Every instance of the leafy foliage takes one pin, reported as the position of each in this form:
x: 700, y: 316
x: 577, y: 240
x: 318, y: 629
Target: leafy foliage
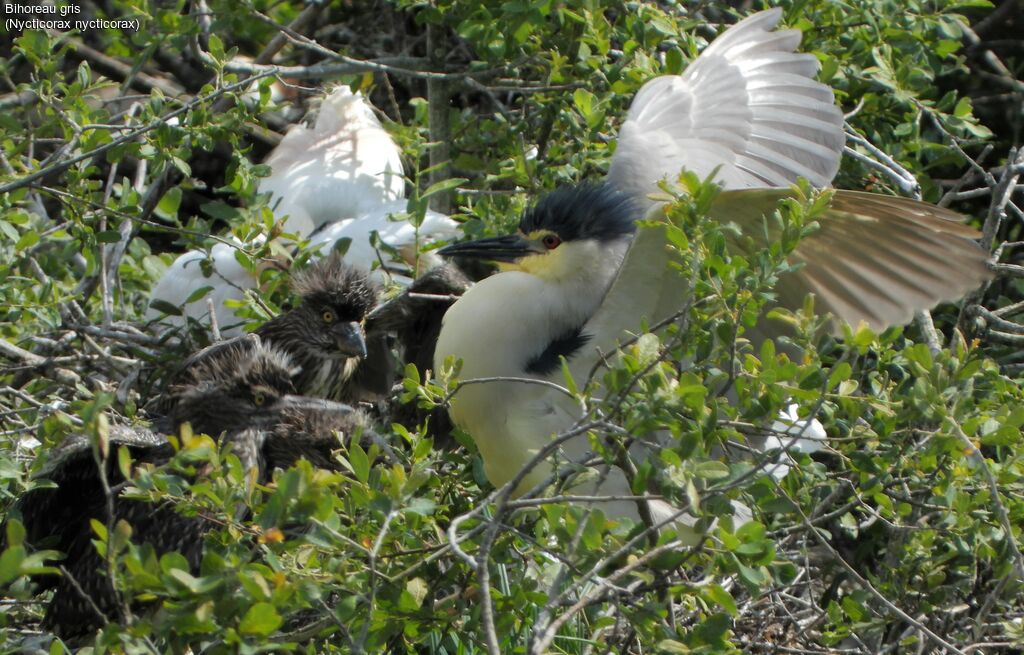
x: 120, y: 148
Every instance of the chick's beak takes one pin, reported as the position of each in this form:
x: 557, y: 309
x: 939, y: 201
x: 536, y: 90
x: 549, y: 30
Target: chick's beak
x: 349, y: 338
x: 270, y: 415
x: 306, y: 403
x: 509, y: 248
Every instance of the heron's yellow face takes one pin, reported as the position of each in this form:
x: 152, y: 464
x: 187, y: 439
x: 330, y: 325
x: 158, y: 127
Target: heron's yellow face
x: 550, y: 258
x: 541, y: 254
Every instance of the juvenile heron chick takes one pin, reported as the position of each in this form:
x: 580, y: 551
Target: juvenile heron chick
x: 415, y: 315
x: 240, y: 394
x: 324, y: 334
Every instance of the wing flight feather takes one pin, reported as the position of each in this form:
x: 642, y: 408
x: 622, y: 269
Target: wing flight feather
x: 747, y: 105
x: 874, y: 259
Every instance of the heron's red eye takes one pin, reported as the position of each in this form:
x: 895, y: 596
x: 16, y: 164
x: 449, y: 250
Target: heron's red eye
x: 551, y: 241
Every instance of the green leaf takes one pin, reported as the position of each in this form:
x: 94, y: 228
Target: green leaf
x: 165, y: 307
x: 443, y: 185
x: 751, y: 576
x: 186, y: 579
x: 674, y: 61
x: 124, y: 462
x: 216, y: 47
x: 342, y: 245
x: 840, y: 372
x: 181, y: 165
x: 98, y: 529
x: 220, y: 210
x: 9, y: 230
x: 27, y: 240
x: 570, y: 382
x: 584, y: 101
x: 170, y: 202
x: 346, y: 607
x: 108, y: 236
x: 261, y: 620
x: 15, y: 532
x: 963, y: 108
x: 10, y: 563
x: 417, y: 588
x: 360, y: 462
x: 712, y: 470
x: 197, y: 294
x: 717, y: 594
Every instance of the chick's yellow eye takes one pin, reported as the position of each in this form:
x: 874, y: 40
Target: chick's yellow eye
x: 258, y: 399
x: 551, y: 241
x: 328, y: 316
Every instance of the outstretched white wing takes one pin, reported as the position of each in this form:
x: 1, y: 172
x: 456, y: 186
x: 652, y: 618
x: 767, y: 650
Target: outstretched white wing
x: 874, y: 259
x: 747, y: 105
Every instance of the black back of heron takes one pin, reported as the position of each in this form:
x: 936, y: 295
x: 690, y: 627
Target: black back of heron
x: 414, y: 317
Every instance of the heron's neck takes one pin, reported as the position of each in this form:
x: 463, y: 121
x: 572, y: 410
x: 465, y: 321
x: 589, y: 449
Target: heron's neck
x: 507, y: 320
x: 501, y: 328
x: 579, y: 276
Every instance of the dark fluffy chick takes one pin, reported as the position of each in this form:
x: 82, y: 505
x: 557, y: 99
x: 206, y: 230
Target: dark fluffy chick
x: 415, y: 317
x: 324, y: 334
x: 239, y: 393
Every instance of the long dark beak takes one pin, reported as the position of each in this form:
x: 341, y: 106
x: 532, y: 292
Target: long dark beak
x: 509, y: 248
x: 305, y: 403
x: 350, y: 339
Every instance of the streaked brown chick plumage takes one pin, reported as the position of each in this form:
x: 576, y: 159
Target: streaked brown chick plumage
x: 324, y: 334
x: 241, y: 393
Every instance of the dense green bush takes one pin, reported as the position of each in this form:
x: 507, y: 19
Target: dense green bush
x: 903, y: 536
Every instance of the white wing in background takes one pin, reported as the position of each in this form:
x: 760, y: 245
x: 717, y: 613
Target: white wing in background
x: 343, y: 176
x: 399, y: 235
x: 345, y: 166
x: 185, y: 275
x: 748, y: 105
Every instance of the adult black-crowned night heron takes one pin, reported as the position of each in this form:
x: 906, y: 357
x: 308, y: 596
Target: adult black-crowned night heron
x: 339, y: 181
x: 578, y: 277
x: 243, y: 397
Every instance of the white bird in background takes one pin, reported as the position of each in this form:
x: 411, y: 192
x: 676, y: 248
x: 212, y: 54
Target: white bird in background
x: 341, y: 180
x: 181, y: 289
x: 402, y: 235
x: 579, y: 277
x: 346, y: 166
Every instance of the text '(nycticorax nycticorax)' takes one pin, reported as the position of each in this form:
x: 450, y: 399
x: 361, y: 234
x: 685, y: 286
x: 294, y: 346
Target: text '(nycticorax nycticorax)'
x: 578, y: 277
